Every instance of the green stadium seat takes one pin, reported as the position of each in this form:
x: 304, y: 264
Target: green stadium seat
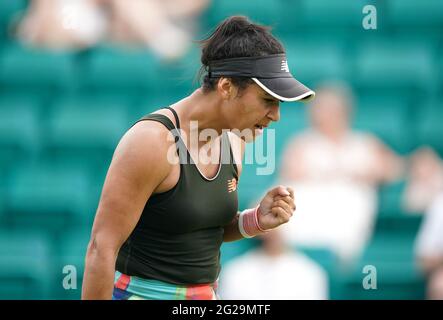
x: 252, y: 187
x: 19, y: 130
x: 234, y: 249
x: 412, y: 13
x: 323, y: 256
x: 313, y: 64
x: 294, y: 119
x: 182, y: 79
x: 428, y: 125
x: 259, y: 11
x: 397, y: 275
x: 403, y: 226
x: 71, y: 251
x: 50, y: 197
x: 153, y: 103
x: 391, y: 243
x: 31, y: 69
x: 339, y: 13
x: 440, y: 73
x: 390, y: 250
x: 9, y: 12
x: 392, y: 220
x: 395, y: 281
x: 258, y: 173
x: 287, y: 22
x: 386, y: 65
x: 330, y: 263
x: 390, y: 198
x: 261, y: 162
x: 25, y: 266
x: 85, y: 131
x: 181, y: 75
x: 2, y: 201
x: 394, y: 129
x: 131, y: 72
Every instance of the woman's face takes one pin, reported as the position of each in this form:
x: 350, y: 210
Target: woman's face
x: 252, y: 110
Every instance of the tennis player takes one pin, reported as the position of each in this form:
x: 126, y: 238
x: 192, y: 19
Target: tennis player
x: 163, y: 214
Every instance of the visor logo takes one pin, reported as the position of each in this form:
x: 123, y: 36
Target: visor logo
x: 284, y: 66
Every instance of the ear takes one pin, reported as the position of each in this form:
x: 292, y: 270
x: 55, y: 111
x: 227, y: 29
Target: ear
x: 226, y: 88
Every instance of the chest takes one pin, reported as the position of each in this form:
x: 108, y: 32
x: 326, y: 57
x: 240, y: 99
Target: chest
x: 207, y: 160
x: 195, y: 203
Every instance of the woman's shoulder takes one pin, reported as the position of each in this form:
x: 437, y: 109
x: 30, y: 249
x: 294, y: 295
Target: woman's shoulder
x: 147, y: 142
x: 148, y: 131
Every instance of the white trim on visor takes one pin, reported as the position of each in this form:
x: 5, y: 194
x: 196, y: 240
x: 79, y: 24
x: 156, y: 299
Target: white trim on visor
x: 302, y: 96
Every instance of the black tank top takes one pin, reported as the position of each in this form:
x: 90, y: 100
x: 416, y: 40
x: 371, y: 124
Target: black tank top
x: 180, y: 231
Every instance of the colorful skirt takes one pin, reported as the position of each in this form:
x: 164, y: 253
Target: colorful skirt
x: 134, y: 288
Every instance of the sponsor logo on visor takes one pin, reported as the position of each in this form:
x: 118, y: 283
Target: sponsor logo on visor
x: 284, y: 66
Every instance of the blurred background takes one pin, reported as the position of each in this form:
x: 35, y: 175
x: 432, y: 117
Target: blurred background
x: 75, y: 75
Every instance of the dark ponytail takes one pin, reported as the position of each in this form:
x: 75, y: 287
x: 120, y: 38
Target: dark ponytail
x: 236, y: 37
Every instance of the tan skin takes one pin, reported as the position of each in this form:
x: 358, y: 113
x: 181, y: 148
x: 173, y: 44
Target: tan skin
x: 136, y: 173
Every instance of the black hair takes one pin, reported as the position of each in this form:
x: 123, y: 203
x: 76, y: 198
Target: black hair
x: 235, y: 37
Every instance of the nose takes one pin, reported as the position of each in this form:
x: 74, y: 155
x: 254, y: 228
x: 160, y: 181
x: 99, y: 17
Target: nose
x: 274, y: 113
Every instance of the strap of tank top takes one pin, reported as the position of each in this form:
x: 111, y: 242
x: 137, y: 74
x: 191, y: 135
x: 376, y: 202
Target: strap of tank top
x: 228, y: 148
x: 163, y: 120
x: 159, y: 118
x: 177, y: 121
x: 181, y: 148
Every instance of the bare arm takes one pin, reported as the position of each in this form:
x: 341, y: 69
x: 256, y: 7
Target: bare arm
x: 393, y: 165
x: 134, y: 174
x: 388, y: 165
x: 428, y: 264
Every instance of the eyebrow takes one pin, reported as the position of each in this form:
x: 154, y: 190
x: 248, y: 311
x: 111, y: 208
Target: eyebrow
x: 268, y: 96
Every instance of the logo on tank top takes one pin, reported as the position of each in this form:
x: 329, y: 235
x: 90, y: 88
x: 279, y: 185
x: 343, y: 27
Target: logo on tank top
x: 232, y: 185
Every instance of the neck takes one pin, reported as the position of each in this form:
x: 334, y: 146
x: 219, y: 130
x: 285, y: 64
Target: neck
x: 203, y: 110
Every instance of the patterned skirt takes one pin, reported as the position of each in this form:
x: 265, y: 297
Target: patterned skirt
x: 134, y: 288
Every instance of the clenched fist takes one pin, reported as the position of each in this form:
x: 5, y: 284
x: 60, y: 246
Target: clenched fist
x: 276, y: 208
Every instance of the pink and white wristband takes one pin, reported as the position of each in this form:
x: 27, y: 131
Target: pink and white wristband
x: 248, y: 223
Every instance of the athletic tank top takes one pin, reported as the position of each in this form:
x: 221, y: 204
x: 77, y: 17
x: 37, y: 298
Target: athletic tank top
x: 180, y: 231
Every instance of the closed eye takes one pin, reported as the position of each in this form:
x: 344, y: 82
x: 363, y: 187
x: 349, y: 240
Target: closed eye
x: 271, y: 101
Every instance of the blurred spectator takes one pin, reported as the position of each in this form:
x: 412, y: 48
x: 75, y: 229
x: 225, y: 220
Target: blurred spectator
x: 164, y: 26
x: 63, y: 24
x: 334, y: 172
x: 429, y: 248
x: 273, y: 271
x: 425, y: 180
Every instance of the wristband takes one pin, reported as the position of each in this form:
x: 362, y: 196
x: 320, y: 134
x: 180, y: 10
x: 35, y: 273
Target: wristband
x: 248, y: 223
